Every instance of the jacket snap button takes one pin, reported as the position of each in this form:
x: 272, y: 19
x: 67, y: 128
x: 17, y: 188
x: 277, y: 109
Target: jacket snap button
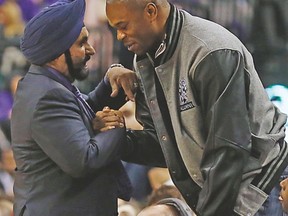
x: 164, y: 138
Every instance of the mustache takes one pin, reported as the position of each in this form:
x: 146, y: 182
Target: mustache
x: 87, y: 58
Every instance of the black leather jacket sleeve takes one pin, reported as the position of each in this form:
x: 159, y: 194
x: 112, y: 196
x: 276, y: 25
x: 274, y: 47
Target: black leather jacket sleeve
x: 144, y: 145
x: 221, y: 89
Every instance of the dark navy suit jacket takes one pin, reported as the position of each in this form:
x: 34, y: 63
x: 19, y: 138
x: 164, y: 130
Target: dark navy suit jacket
x: 63, y: 167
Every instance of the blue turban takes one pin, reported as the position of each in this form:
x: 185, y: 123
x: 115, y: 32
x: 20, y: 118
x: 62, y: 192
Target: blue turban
x: 53, y: 31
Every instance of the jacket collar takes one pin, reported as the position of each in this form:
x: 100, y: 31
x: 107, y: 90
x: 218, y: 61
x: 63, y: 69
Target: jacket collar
x: 52, y: 74
x: 168, y: 45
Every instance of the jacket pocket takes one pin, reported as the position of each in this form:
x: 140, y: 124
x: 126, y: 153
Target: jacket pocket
x: 249, y: 200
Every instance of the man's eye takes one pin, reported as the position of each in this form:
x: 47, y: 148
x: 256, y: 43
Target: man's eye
x: 123, y: 27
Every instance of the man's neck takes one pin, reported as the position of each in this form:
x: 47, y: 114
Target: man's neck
x: 62, y: 69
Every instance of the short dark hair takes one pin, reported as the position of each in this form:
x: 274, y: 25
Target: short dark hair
x: 165, y: 191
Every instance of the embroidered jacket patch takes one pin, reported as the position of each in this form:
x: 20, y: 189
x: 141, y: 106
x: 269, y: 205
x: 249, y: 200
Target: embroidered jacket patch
x: 185, y: 104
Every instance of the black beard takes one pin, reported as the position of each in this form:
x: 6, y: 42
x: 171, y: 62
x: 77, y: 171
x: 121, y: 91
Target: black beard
x: 79, y: 73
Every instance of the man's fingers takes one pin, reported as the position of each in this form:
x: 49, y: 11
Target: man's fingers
x: 129, y: 93
x: 120, y: 77
x: 130, y: 88
x: 112, y: 125
x: 108, y: 119
x: 114, y: 92
x: 115, y: 88
x: 107, y: 128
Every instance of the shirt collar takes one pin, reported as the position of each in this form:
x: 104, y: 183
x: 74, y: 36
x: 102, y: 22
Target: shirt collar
x: 60, y: 77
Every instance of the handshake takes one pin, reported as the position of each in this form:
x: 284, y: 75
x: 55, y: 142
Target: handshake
x: 108, y: 119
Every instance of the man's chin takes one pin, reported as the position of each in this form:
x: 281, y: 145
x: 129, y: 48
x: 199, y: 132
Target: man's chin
x: 81, y: 74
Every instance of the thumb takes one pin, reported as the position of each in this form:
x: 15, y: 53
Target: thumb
x: 115, y: 89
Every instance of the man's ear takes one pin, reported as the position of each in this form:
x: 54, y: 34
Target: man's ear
x: 151, y: 10
x: 55, y: 63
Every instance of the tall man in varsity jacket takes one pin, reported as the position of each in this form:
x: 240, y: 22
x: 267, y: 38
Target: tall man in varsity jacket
x: 204, y: 110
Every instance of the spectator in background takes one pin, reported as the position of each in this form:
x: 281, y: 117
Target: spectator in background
x: 168, y: 206
x: 11, y: 58
x: 163, y: 192
x: 6, y: 101
x: 7, y: 164
x: 235, y: 15
x: 269, y: 41
x: 7, y: 167
x: 158, y: 177
x: 7, y: 98
x: 283, y: 197
x: 11, y: 18
x: 195, y: 7
x: 30, y: 8
x: 13, y: 62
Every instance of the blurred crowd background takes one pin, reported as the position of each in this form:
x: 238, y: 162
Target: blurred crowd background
x: 262, y: 25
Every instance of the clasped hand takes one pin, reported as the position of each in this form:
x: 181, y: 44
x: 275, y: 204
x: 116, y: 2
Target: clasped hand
x: 108, y: 119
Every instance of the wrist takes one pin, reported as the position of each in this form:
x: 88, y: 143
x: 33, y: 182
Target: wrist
x: 116, y: 65
x: 106, y: 78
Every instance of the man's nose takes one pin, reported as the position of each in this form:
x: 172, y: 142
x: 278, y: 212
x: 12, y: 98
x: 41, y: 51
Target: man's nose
x: 90, y: 50
x: 120, y: 35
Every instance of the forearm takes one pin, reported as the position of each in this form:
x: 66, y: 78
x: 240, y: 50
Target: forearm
x: 144, y: 148
x: 100, y: 97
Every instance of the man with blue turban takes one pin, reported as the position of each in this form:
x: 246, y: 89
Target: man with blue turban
x: 67, y: 146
